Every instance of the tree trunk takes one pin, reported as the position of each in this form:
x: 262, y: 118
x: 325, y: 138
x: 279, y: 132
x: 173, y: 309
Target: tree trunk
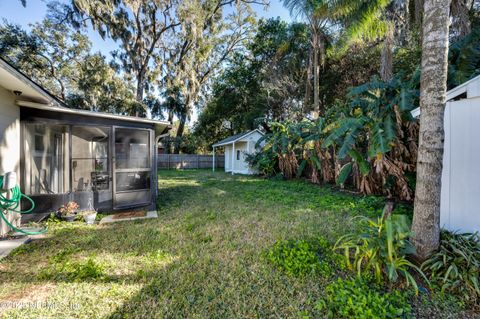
x: 308, y: 83
x: 180, y: 129
x: 461, y: 25
x: 418, y: 12
x: 140, y: 89
x: 386, y: 64
x: 316, y: 75
x: 426, y: 218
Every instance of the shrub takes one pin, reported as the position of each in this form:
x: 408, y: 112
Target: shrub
x: 357, y: 299
x: 264, y: 161
x: 455, y: 267
x: 381, y: 249
x: 299, y: 257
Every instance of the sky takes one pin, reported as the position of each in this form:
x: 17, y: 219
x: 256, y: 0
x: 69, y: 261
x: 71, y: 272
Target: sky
x: 36, y: 10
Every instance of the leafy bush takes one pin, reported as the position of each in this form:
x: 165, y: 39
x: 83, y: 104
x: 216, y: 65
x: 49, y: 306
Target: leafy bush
x: 456, y: 265
x: 264, y: 161
x: 381, y: 249
x: 358, y: 299
x: 298, y: 258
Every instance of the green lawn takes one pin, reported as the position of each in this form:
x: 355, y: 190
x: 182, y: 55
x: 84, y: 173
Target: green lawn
x: 204, y: 257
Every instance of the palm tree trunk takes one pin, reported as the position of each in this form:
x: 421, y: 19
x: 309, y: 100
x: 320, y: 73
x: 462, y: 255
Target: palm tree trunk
x: 418, y: 12
x: 426, y: 218
x: 308, y: 81
x: 386, y: 64
x: 316, y: 76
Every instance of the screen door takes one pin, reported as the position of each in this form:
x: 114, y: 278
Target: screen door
x: 132, y: 167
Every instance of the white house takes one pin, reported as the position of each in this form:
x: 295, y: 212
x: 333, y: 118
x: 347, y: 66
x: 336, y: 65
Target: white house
x: 460, y: 197
x: 236, y: 148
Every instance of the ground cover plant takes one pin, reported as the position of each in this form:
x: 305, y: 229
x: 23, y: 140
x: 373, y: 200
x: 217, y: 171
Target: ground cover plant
x: 455, y: 267
x: 203, y: 257
x: 302, y: 257
x: 357, y: 298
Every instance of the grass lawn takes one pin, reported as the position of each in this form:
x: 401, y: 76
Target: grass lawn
x: 204, y: 257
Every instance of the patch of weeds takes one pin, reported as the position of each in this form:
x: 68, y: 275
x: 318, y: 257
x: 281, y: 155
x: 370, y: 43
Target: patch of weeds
x: 204, y: 239
x: 301, y: 257
x: 23, y: 249
x: 211, y: 216
x: 65, y: 270
x: 356, y: 298
x: 63, y: 254
x: 190, y: 227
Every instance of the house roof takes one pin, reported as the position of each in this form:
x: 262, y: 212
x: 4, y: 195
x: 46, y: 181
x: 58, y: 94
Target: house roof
x: 35, y: 96
x: 471, y: 89
x: 234, y: 138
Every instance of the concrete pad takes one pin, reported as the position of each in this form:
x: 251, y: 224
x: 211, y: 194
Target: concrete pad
x: 117, y: 217
x: 7, y: 245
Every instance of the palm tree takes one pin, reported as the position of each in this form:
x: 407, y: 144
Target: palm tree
x: 369, y: 21
x: 433, y: 85
x: 317, y: 13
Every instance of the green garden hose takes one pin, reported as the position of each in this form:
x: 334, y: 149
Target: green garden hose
x: 12, y: 204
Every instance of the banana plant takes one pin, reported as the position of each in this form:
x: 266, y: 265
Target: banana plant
x: 372, y: 126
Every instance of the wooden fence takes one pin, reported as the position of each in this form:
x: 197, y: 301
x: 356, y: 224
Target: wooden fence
x: 189, y: 161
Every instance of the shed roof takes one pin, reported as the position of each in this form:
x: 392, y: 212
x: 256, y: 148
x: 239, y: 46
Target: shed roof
x: 471, y: 89
x: 234, y: 138
x: 35, y: 96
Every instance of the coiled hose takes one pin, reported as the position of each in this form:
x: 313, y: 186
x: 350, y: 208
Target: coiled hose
x: 12, y: 204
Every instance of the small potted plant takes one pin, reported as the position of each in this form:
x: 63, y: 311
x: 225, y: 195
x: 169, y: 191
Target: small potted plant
x: 89, y: 216
x: 68, y: 212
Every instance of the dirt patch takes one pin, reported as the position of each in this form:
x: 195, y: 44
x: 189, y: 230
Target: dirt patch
x: 130, y: 215
x: 31, y: 294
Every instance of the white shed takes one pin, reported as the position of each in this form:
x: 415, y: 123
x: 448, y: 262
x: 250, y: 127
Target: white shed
x: 236, y: 147
x: 460, y: 197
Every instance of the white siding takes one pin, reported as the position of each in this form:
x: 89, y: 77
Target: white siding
x: 245, y: 146
x: 9, y: 133
x: 460, y: 200
x: 9, y: 146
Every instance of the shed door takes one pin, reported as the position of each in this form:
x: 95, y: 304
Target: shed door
x: 132, y: 167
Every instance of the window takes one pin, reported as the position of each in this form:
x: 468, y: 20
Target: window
x: 90, y: 169
x: 238, y: 155
x: 46, y: 159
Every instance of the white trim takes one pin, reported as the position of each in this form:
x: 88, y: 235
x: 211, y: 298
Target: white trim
x: 213, y: 166
x: 45, y: 107
x: 453, y: 93
x: 415, y: 113
x: 28, y: 82
x: 237, y: 139
x: 52, y: 104
x: 233, y: 157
